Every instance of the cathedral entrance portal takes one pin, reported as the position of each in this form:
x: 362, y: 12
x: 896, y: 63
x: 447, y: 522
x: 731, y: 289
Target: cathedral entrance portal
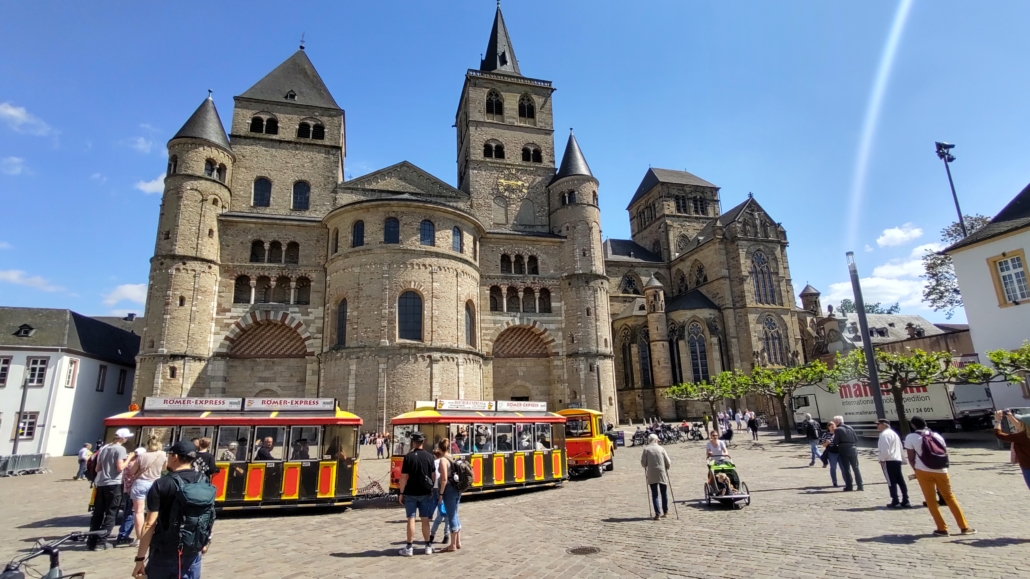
x: 522, y: 366
x: 267, y: 357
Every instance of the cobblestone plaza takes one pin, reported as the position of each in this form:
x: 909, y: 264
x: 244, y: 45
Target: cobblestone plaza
x: 796, y: 526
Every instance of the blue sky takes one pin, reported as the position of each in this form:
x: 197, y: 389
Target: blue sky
x: 761, y: 97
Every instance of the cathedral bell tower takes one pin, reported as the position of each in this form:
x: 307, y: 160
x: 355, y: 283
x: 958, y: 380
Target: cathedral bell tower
x: 661, y: 357
x: 184, y: 271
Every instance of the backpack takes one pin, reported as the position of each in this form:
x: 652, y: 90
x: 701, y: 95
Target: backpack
x: 934, y: 454
x: 461, y: 474
x: 192, y: 515
x: 93, y: 463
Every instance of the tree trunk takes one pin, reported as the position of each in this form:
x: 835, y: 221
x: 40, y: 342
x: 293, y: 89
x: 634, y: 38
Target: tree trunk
x: 715, y: 420
x: 899, y: 406
x: 787, y: 426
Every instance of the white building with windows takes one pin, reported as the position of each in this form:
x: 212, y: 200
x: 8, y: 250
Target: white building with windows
x: 78, y: 370
x: 991, y: 268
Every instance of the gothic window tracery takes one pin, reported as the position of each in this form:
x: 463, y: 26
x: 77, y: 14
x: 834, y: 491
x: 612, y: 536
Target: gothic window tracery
x: 700, y: 276
x: 681, y: 282
x: 627, y: 360
x: 644, y: 344
x: 762, y: 278
x: 629, y: 285
x: 698, y: 352
x: 675, y: 337
x: 527, y: 110
x: 773, y: 342
x: 494, y: 106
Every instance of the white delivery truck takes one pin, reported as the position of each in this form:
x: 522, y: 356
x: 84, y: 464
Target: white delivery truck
x: 854, y: 401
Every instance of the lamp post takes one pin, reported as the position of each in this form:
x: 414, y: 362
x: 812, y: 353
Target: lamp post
x: 944, y: 153
x: 867, y: 344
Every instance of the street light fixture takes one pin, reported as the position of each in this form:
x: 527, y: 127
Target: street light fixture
x: 944, y: 153
x: 867, y: 343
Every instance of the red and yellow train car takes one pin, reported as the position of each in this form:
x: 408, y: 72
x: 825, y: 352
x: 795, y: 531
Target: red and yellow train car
x: 590, y: 449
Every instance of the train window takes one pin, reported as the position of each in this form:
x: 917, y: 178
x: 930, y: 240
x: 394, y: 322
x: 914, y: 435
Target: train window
x: 339, y: 441
x: 577, y: 427
x: 505, y: 435
x: 233, y: 442
x: 434, y: 434
x: 459, y: 439
x: 524, y: 432
x: 543, y: 436
x: 484, y: 438
x: 558, y: 436
x: 191, y: 432
x: 163, y: 433
x: 268, y: 443
x: 402, y: 439
x: 304, y: 443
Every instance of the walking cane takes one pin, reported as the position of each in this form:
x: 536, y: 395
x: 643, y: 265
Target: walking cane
x: 673, y: 493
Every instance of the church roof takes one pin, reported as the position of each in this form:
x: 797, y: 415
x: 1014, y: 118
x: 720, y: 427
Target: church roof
x: 1015, y: 215
x: 628, y: 250
x: 205, y: 124
x: 500, y: 54
x: 572, y: 162
x: 655, y: 176
x: 809, y: 291
x: 692, y: 300
x: 297, y: 75
x: 653, y: 282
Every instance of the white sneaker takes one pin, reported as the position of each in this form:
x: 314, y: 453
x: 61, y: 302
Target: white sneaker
x: 429, y: 549
x: 406, y: 551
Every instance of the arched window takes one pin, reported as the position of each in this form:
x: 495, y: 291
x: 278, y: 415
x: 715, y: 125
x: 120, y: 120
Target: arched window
x: 527, y: 154
x: 528, y: 301
x: 214, y: 201
x: 341, y: 323
x: 336, y: 240
x: 470, y: 324
x: 173, y: 164
x: 318, y: 132
x: 572, y: 197
x: 564, y: 198
x: 681, y: 282
x: 304, y: 131
x: 475, y: 249
x: 262, y: 192
x: 391, y: 231
x: 681, y: 204
x: 500, y: 212
x: 700, y: 276
x: 303, y: 290
x: 241, y: 290
x: 505, y: 263
x: 292, y: 253
x: 281, y: 291
x: 527, y: 110
x: 520, y: 265
x: 627, y: 364
x: 675, y: 337
x: 700, y: 206
x: 427, y: 233
x: 595, y: 197
x: 496, y: 299
x: 513, y: 300
x: 537, y: 156
x: 644, y: 344
x: 762, y: 278
x: 172, y: 372
x: 182, y: 301
x: 545, y: 301
x: 357, y: 234
x: 257, y: 125
x: 257, y: 251
x: 409, y: 316
x: 773, y: 342
x: 209, y: 168
x: 263, y: 290
x: 494, y: 106
x: 271, y: 127
x: 301, y: 195
x: 532, y: 266
x: 275, y: 252
x: 698, y: 352
x: 220, y: 173
x: 629, y: 285
x: 457, y: 244
x: 211, y: 233
x: 498, y: 151
x: 488, y: 151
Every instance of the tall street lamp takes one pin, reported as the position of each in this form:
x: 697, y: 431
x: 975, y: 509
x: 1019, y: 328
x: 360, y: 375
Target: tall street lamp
x: 944, y: 153
x: 867, y: 343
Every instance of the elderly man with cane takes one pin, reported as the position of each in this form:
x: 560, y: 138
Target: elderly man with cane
x: 656, y: 465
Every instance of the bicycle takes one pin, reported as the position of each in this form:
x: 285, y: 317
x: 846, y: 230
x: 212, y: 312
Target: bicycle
x: 15, y: 569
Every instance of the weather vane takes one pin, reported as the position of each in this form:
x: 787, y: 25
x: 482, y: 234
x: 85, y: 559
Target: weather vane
x: 302, y: 41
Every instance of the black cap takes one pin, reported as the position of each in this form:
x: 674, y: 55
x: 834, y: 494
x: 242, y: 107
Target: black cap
x: 417, y: 436
x: 184, y: 448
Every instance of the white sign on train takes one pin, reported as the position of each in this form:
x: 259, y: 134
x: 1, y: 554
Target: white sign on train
x: 472, y: 405
x: 521, y: 406
x: 277, y: 404
x: 160, y: 403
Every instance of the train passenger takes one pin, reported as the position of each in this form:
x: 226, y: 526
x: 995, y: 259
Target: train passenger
x: 264, y: 452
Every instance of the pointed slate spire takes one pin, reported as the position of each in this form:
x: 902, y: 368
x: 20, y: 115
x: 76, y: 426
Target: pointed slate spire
x: 500, y: 55
x: 809, y: 291
x: 295, y: 81
x: 573, y: 162
x: 205, y: 124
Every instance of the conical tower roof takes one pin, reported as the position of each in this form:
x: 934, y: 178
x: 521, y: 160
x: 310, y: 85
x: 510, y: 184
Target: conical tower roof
x: 809, y: 291
x: 205, y: 124
x: 572, y: 162
x: 653, y: 282
x: 296, y: 76
x: 500, y: 54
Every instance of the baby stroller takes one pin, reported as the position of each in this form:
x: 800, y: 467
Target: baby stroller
x: 724, y: 485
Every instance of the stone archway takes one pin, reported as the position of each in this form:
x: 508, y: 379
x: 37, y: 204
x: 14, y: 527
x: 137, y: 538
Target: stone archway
x: 522, y: 365
x: 266, y: 356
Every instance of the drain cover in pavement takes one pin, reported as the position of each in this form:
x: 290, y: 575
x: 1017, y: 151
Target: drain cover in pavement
x: 583, y: 551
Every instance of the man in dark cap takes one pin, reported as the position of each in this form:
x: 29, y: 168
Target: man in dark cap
x: 418, y: 477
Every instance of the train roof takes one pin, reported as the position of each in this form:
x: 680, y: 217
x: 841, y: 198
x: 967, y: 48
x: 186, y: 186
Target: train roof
x: 433, y: 416
x: 216, y: 418
x: 578, y: 411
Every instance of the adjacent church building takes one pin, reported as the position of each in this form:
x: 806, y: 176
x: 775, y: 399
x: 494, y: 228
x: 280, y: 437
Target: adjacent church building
x: 273, y: 276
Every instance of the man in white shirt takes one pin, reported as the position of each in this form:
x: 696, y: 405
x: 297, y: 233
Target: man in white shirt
x: 933, y: 480
x: 888, y: 450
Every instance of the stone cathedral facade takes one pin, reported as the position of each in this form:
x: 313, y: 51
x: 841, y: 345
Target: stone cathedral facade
x: 273, y: 276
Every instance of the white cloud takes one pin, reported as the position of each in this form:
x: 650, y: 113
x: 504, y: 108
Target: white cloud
x: 149, y: 128
x: 132, y: 292
x: 98, y: 177
x: 12, y: 166
x: 898, y: 235
x: 920, y: 250
x: 907, y: 292
x: 868, y: 248
x: 22, y: 121
x: 155, y: 186
x: 19, y: 277
x: 896, y: 268
x: 140, y: 144
x: 5, y: 245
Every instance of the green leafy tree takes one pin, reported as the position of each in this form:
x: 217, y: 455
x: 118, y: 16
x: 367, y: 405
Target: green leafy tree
x: 848, y: 307
x: 723, y: 385
x: 780, y: 384
x: 941, y: 291
x: 1013, y: 364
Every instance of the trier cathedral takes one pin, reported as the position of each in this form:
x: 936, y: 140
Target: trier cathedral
x: 273, y: 276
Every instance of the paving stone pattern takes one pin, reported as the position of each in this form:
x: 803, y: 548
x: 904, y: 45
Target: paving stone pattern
x: 796, y: 526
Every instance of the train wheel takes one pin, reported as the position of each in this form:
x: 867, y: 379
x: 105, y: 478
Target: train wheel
x: 597, y: 471
x: 743, y: 488
x: 708, y: 496
x: 611, y: 464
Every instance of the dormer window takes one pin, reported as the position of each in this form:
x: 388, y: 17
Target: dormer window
x: 291, y: 96
x: 24, y: 331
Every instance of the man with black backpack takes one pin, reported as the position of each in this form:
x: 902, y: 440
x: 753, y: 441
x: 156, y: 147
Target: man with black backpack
x: 180, y: 516
x: 928, y: 456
